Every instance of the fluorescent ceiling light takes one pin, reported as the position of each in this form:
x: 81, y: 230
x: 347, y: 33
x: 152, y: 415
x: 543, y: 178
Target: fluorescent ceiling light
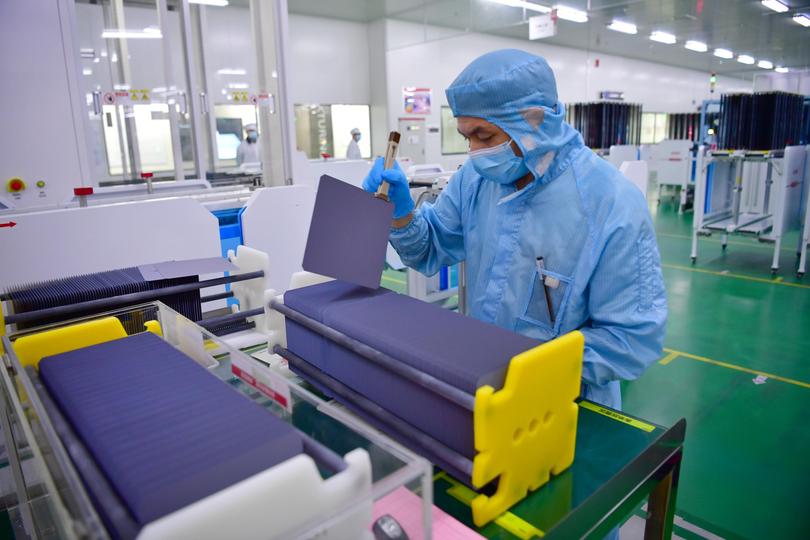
x: 523, y: 4
x: 132, y: 34
x: 802, y: 19
x: 765, y: 64
x: 237, y: 85
x: 623, y: 27
x: 232, y: 71
x: 745, y: 59
x: 87, y: 71
x: 663, y: 37
x: 723, y: 53
x: 571, y: 14
x: 775, y: 5
x: 697, y: 46
x: 780, y: 69
x: 219, y: 3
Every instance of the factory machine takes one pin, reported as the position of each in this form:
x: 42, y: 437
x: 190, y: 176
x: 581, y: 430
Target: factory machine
x: 137, y: 423
x: 124, y: 371
x: 753, y: 193
x: 118, y: 410
x: 671, y: 164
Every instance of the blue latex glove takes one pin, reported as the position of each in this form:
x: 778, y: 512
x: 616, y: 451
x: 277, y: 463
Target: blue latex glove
x: 398, y: 191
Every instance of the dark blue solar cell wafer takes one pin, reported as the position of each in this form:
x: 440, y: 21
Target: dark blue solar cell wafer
x: 164, y: 431
x: 82, y: 288
x: 461, y: 351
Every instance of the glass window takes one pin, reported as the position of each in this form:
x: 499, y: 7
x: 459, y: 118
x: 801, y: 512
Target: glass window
x: 154, y: 138
x: 326, y: 129
x: 653, y: 127
x: 231, y: 121
x: 452, y: 140
x: 133, y: 111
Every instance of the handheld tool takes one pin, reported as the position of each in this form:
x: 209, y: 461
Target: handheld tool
x: 348, y: 234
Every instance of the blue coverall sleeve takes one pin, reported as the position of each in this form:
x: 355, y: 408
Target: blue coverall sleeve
x: 628, y: 307
x: 434, y: 238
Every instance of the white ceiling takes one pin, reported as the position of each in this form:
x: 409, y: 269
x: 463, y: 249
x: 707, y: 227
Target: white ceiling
x: 743, y: 26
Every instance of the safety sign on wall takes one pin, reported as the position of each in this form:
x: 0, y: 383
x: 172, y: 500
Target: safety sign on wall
x: 416, y: 100
x: 264, y: 99
x: 127, y: 97
x: 542, y: 26
x: 240, y: 96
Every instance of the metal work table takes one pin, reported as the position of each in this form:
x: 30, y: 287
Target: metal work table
x: 620, y: 461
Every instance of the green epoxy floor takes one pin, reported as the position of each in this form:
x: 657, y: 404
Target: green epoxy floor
x: 746, y: 466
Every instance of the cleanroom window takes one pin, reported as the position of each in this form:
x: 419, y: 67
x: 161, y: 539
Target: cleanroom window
x: 326, y: 129
x: 452, y: 141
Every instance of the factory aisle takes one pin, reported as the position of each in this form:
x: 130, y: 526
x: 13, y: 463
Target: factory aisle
x: 735, y: 367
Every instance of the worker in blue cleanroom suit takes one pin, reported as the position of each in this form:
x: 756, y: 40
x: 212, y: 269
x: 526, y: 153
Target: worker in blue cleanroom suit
x: 554, y: 237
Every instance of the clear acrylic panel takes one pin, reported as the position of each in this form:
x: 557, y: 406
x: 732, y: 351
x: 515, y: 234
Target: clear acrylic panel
x: 55, y: 500
x: 326, y: 129
x: 134, y: 104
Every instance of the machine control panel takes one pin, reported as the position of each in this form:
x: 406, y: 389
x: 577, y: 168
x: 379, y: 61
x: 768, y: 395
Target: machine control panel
x: 15, y: 185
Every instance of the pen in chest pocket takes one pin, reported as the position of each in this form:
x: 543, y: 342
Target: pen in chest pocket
x: 541, y: 275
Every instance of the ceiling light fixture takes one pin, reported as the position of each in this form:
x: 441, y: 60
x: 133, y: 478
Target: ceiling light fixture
x: 780, y: 69
x: 723, y: 53
x: 571, y: 14
x: 697, y: 46
x: 623, y: 27
x: 523, y: 4
x: 218, y: 3
x: 775, y: 5
x: 745, y: 59
x: 232, y: 71
x: 663, y: 37
x: 147, y: 33
x: 765, y: 64
x: 803, y: 19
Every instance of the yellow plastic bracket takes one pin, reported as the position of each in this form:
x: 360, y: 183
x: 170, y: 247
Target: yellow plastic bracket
x: 154, y: 327
x: 31, y: 349
x: 527, y: 430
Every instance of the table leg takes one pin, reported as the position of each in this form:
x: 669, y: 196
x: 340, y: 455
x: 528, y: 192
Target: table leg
x: 661, y: 506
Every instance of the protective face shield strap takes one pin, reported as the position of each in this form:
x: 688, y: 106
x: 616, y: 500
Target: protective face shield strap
x: 499, y: 163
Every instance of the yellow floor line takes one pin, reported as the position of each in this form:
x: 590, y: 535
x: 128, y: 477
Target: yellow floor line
x: 738, y: 368
x: 668, y: 358
x: 393, y: 280
x: 735, y: 276
x: 508, y: 521
x: 730, y: 242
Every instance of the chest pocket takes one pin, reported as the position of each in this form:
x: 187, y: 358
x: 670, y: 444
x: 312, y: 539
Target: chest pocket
x: 548, y: 299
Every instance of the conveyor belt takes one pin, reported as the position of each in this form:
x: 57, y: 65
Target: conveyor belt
x: 163, y: 431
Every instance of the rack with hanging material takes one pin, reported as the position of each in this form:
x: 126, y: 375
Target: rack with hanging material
x: 760, y: 122
x: 604, y: 124
x: 686, y: 126
x: 47, y: 302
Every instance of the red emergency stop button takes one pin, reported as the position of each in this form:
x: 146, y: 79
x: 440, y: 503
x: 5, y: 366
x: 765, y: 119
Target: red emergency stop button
x: 15, y: 185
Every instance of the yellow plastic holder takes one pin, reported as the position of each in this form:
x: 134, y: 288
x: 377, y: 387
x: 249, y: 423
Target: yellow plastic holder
x: 33, y: 348
x: 526, y: 431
